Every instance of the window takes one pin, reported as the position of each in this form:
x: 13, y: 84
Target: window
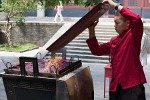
x: 132, y: 2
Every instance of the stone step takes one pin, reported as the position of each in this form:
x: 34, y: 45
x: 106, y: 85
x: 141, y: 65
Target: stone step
x: 84, y: 41
x: 100, y: 39
x: 111, y: 31
x: 92, y: 60
x: 83, y: 53
x: 106, y: 20
x: 98, y: 36
x: 78, y: 46
x: 100, y: 32
x: 87, y: 58
x: 104, y: 26
x: 79, y: 51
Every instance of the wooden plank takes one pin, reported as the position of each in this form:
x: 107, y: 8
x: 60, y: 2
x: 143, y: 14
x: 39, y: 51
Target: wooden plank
x: 77, y: 28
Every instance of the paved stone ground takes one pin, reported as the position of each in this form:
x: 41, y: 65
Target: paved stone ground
x: 97, y: 71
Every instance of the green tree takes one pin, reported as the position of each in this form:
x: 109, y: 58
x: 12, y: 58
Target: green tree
x: 16, y: 9
x: 52, y: 3
x: 92, y: 2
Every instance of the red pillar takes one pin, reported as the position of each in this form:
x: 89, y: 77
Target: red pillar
x: 142, y: 5
x: 146, y: 3
x: 126, y: 3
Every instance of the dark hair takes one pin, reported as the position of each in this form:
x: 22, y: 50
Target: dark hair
x: 122, y: 17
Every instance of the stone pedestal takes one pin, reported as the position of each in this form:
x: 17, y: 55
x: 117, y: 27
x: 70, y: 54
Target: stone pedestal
x: 40, y: 11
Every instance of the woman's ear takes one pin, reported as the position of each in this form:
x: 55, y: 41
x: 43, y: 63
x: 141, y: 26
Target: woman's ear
x: 128, y: 23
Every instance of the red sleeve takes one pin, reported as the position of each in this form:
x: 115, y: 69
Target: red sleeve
x: 136, y: 24
x: 96, y: 49
x: 129, y: 14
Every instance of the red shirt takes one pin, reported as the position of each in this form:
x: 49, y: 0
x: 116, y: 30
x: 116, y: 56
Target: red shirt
x: 124, y: 50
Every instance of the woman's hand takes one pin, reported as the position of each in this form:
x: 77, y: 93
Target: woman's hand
x: 92, y: 29
x: 92, y: 26
x: 111, y: 3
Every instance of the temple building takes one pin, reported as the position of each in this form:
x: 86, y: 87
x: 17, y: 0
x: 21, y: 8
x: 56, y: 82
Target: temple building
x: 142, y: 7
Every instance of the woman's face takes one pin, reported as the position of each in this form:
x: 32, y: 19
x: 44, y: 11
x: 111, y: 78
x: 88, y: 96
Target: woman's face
x: 120, y: 24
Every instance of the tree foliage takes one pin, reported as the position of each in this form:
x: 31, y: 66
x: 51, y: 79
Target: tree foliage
x: 52, y: 3
x: 92, y: 2
x: 16, y: 9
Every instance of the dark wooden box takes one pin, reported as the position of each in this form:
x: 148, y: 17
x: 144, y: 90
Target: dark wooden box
x: 68, y: 85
